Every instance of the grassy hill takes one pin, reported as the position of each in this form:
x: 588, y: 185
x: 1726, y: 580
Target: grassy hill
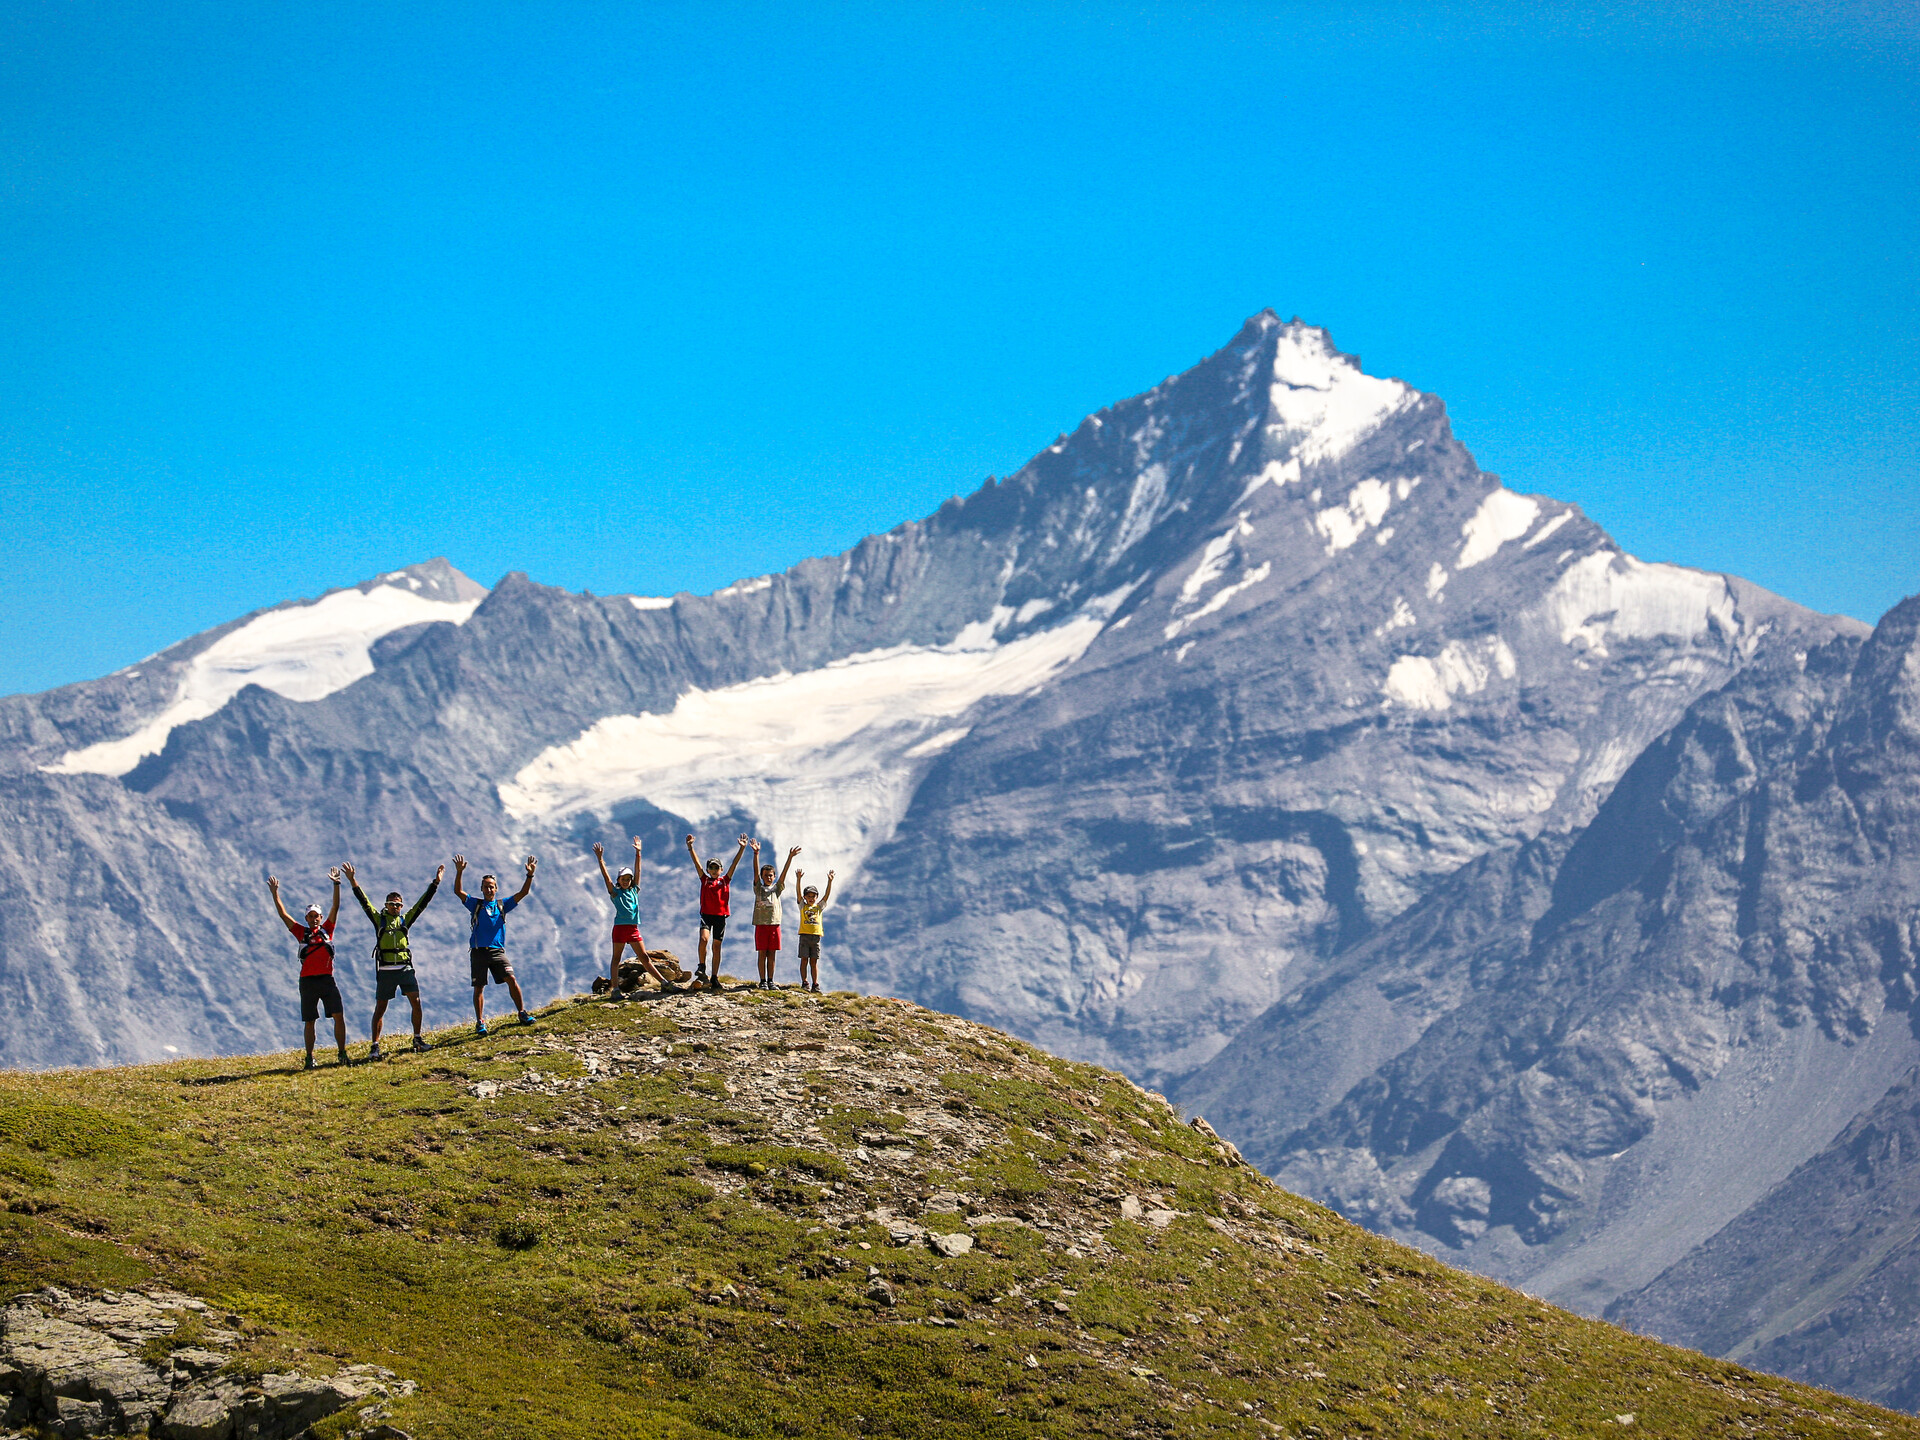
x: 723, y: 1214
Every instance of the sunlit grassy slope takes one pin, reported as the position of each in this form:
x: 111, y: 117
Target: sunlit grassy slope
x: 674, y: 1219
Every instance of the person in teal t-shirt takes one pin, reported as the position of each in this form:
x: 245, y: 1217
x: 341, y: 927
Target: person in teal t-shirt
x: 624, y: 891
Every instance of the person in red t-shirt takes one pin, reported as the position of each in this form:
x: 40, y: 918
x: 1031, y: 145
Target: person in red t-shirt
x: 317, y: 985
x: 716, y: 894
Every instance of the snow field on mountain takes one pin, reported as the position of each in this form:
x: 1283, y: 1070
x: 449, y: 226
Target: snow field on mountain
x: 1321, y: 396
x: 827, y: 758
x: 303, y: 652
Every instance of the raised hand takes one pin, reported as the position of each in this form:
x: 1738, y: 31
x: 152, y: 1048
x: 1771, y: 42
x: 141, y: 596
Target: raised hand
x: 793, y: 852
x: 531, y: 862
x: 346, y: 868
x: 754, y: 845
x: 459, y: 863
x: 273, y: 884
x: 598, y: 848
x: 636, y: 844
x: 829, y: 876
x: 745, y: 841
x: 438, y: 872
x: 334, y: 874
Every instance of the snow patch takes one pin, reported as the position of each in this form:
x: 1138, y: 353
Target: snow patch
x: 650, y: 602
x: 828, y: 758
x: 1274, y: 472
x: 1322, y: 401
x: 1502, y: 516
x: 303, y: 652
x: 1221, y: 597
x: 1547, y: 529
x: 1366, y: 505
x: 745, y: 587
x: 1402, y: 618
x: 1610, y: 595
x: 1423, y: 682
x: 1213, y: 561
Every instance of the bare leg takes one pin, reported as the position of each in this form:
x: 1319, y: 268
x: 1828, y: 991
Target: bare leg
x: 704, y: 933
x: 309, y: 1039
x: 714, y: 973
x: 513, y: 989
x: 480, y: 1004
x: 339, y: 1030
x: 379, y: 1019
x: 418, y: 1014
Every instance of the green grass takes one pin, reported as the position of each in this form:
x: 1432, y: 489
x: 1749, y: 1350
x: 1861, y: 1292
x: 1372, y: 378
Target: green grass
x: 565, y: 1262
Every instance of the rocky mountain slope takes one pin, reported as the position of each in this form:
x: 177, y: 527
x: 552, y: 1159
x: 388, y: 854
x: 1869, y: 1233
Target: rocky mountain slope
x: 751, y: 1215
x: 1112, y: 752
x: 1668, y: 1058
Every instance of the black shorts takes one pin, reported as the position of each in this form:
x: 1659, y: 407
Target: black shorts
x: 318, y: 990
x: 489, y: 960
x: 716, y: 923
x: 399, y: 978
x: 809, y: 947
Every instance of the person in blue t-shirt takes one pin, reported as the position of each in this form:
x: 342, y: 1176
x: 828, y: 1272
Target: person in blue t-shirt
x: 487, y: 945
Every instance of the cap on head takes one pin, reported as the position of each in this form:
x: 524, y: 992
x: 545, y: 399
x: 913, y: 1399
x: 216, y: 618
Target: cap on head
x: 811, y: 890
x: 313, y: 909
x: 713, y: 867
x: 626, y: 873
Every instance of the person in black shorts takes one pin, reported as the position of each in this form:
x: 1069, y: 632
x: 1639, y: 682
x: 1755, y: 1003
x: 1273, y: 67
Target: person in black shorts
x: 487, y: 944
x: 317, y: 985
x: 716, y: 892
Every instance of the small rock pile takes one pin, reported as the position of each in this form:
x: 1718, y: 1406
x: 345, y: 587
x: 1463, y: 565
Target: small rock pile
x: 73, y: 1365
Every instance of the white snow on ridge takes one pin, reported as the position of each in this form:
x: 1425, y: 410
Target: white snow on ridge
x: 1325, y: 400
x: 650, y: 602
x: 827, y: 759
x: 1502, y: 516
x: 1611, y: 594
x: 303, y: 652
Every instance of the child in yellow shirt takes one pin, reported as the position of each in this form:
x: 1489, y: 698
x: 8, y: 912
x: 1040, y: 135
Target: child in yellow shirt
x: 812, y: 902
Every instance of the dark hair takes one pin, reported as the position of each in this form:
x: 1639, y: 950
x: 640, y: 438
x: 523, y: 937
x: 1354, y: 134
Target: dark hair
x: 395, y: 895
x: 485, y: 878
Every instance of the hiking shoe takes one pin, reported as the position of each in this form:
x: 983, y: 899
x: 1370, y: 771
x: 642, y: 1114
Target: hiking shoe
x: 525, y: 1019
x: 714, y: 985
x: 816, y: 989
x: 420, y: 1046
x: 309, y: 1064
x: 479, y: 1027
x: 345, y: 1059
x: 376, y: 1053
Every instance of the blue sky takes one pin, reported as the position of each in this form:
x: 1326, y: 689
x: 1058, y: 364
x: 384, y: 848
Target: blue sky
x: 649, y: 298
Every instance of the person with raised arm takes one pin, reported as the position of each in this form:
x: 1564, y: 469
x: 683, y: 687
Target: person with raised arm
x: 317, y: 985
x: 625, y: 894
x: 812, y: 902
x: 766, y: 911
x: 487, y: 942
x: 716, y: 899
x: 393, y: 953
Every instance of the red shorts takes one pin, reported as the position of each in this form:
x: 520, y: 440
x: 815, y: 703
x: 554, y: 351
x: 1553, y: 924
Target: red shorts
x: 630, y: 934
x: 766, y: 937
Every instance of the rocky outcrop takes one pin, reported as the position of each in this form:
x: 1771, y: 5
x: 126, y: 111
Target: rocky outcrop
x: 1620, y: 1064
x: 74, y: 1365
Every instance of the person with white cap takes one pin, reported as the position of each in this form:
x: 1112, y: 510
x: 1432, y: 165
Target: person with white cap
x: 317, y: 986
x: 624, y: 891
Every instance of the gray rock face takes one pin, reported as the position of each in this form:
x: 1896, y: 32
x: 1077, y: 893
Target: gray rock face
x: 72, y: 1366
x: 1589, y: 1074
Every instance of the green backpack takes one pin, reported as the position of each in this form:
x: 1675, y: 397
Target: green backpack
x: 391, y: 946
